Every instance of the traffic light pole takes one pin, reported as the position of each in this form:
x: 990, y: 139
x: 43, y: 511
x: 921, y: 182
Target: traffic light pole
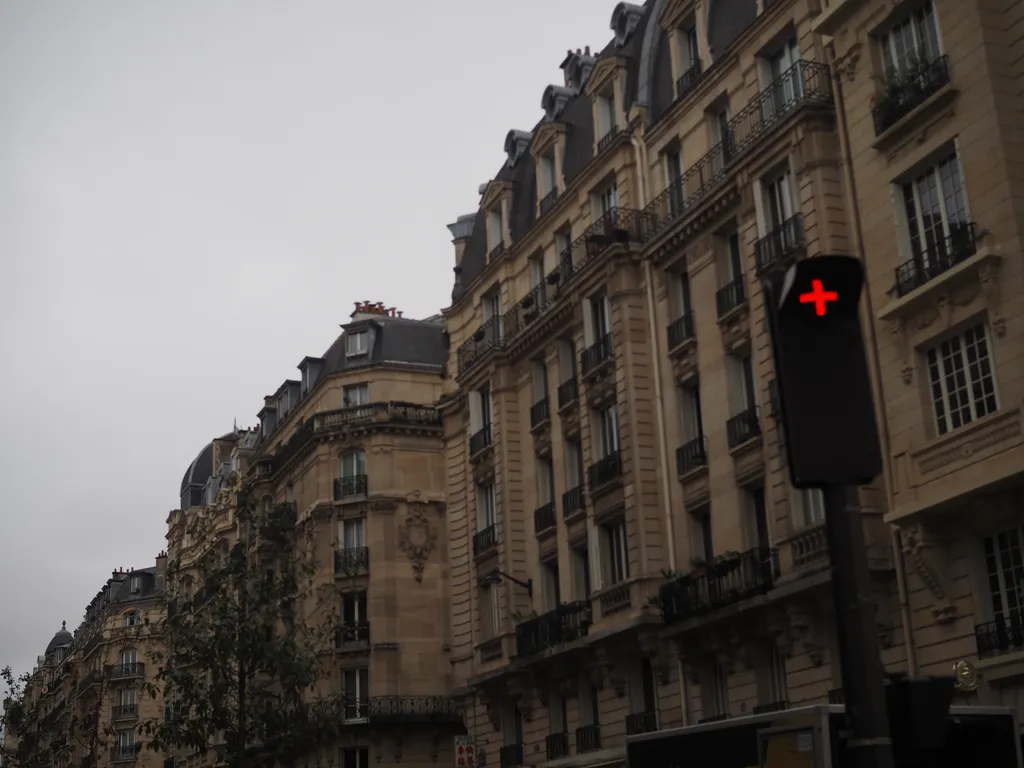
x: 860, y: 653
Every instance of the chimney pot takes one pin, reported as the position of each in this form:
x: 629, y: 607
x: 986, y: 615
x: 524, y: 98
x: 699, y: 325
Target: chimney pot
x: 586, y: 51
x: 399, y: 314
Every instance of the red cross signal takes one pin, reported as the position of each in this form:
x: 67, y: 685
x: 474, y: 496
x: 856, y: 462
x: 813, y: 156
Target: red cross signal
x: 819, y: 297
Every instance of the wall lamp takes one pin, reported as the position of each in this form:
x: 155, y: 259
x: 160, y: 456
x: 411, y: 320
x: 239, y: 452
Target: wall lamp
x: 495, y: 577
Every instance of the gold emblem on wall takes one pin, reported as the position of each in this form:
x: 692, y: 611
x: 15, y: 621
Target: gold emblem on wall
x: 417, y: 538
x: 966, y: 675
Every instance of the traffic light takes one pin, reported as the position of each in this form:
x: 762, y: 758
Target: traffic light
x: 824, y: 386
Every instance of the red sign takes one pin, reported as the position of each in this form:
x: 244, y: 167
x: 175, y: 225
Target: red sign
x: 819, y: 297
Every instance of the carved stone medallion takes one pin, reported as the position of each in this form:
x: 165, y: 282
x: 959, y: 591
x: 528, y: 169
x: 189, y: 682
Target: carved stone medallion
x: 417, y: 538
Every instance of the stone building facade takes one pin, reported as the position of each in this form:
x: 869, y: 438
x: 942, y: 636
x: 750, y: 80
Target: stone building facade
x: 626, y: 551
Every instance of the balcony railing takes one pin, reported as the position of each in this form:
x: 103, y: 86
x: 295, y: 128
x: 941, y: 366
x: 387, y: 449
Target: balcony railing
x: 527, y: 309
x: 124, y: 752
x: 691, y: 455
x: 480, y: 440
x: 391, y: 412
x: 596, y: 353
x: 488, y: 336
x: 485, y: 539
x: 938, y: 257
x: 805, y: 83
x: 568, y: 392
x: 122, y: 711
x: 511, y: 756
x: 780, y: 243
x: 496, y: 253
x: 352, y: 560
x: 354, y: 633
x: 405, y: 708
x: 608, y: 138
x: 124, y: 671
x: 540, y: 412
x: 742, y: 427
x: 680, y: 330
x: 544, y: 517
x: 616, y: 226
x: 689, y: 78
x: 564, y: 624
x: 722, y: 583
x: 573, y: 501
x: 605, y: 470
x: 904, y: 95
x: 548, y: 201
x: 556, y: 745
x: 730, y: 296
x: 352, y: 485
x: 641, y: 722
x: 588, y: 739
x: 999, y: 637
x: 91, y: 678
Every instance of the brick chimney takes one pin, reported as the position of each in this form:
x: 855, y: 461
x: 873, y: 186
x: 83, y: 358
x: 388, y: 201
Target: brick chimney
x: 366, y: 310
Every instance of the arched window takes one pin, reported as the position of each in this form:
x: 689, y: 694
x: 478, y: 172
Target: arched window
x: 132, y: 618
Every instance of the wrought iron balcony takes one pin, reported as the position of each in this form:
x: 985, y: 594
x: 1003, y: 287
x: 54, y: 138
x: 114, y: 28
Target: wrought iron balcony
x: 527, y: 309
x: 556, y: 745
x: 573, y: 501
x: 352, y: 485
x: 691, y: 455
x: 730, y: 296
x: 904, y: 95
x: 568, y: 392
x: 597, y: 353
x: 545, y: 518
x: 496, y: 253
x: 125, y: 671
x: 548, y: 201
x: 731, y: 578
x: 940, y: 257
x: 511, y: 756
x: 487, y: 337
x: 742, y: 427
x: 607, y: 139
x: 354, y: 633
x: 124, y: 711
x: 540, y: 412
x: 641, y: 722
x: 780, y: 243
x: 352, y: 560
x: 605, y: 470
x: 616, y: 226
x: 680, y: 330
x: 485, y: 539
x: 399, y: 709
x: 999, y: 637
x: 480, y: 440
x: 564, y: 624
x: 588, y: 739
x: 689, y: 78
x: 390, y: 412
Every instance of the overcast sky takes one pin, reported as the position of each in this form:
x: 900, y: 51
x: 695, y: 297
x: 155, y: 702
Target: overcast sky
x: 193, y: 193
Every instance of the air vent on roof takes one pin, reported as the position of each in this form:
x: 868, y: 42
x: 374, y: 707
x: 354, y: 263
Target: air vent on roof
x: 554, y: 100
x: 625, y: 17
x: 516, y: 144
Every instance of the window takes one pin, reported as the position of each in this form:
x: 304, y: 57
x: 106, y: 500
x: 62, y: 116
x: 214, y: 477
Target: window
x: 775, y: 688
x: 135, y: 585
x: 608, y: 431
x: 785, y: 77
x: 129, y: 657
x: 600, y: 317
x: 730, y: 258
x: 689, y: 53
x: 536, y: 271
x: 486, y: 506
x: 715, y: 693
x: 307, y: 379
x: 757, y: 519
x: 550, y: 588
x: 545, y: 481
x: 589, y: 702
x: 778, y: 201
x: 353, y: 533
x: 580, y: 573
x: 126, y: 700
x: 356, y: 757
x: 703, y: 547
x: 605, y: 201
x: 480, y: 409
x: 563, y: 247
x: 935, y: 210
x: 353, y: 609
x: 573, y: 464
x: 126, y: 745
x: 132, y: 619
x: 356, y: 344
x: 355, y: 395
x: 356, y: 684
x: 741, y: 383
x: 605, y: 114
x: 962, y: 383
x: 539, y: 380
x: 490, y: 611
x: 289, y: 493
x: 680, y: 296
x: 693, y: 422
x: 1004, y: 568
x: 616, y: 552
x: 284, y: 404
x: 546, y: 170
x: 811, y: 502
x: 495, y: 229
x: 353, y: 464
x: 674, y: 180
x: 721, y: 134
x: 910, y: 43
x: 643, y: 689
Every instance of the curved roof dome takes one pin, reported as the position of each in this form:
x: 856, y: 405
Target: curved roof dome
x: 200, y: 470
x: 62, y: 639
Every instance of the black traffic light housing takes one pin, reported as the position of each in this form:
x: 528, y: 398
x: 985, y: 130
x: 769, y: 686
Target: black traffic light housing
x: 824, y: 385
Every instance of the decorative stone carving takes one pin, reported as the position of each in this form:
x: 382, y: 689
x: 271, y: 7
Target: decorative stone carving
x: 417, y: 538
x: 846, y: 64
x: 929, y: 556
x: 659, y: 652
x: 521, y: 689
x: 988, y: 279
x: 803, y: 635
x: 605, y: 672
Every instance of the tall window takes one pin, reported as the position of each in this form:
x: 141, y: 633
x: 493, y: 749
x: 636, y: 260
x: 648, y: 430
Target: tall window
x: 730, y: 259
x: 600, y: 317
x: 546, y: 168
x: 352, y: 464
x: 741, y: 383
x: 607, y: 431
x: 353, y: 533
x: 674, y: 179
x: 481, y: 408
x: 605, y: 114
x: 490, y: 611
x: 1004, y: 567
x: 356, y: 684
x: 962, y: 383
x: 616, y: 551
x: 563, y: 247
x: 689, y: 56
x: 935, y: 207
x: 129, y: 657
x: 127, y: 701
x: 693, y: 422
x: 353, y: 611
x: 910, y: 43
x: 573, y: 464
x: 580, y: 559
x: 812, y: 505
x: 715, y: 693
x: 774, y: 675
x: 681, y: 301
x: 778, y: 200
x: 536, y: 271
x: 356, y: 757
x: 356, y: 344
x: 785, y: 76
x: 132, y: 619
x: 545, y: 481
x: 354, y: 395
x: 486, y: 512
x: 550, y: 588
x: 495, y: 229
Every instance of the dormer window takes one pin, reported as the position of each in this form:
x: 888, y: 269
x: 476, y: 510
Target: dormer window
x: 132, y: 619
x: 135, y: 585
x: 548, y: 183
x: 495, y: 232
x: 283, y: 404
x: 307, y: 379
x: 606, y: 118
x: 687, y: 52
x: 356, y: 344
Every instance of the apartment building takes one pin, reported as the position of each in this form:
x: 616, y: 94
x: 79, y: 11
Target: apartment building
x: 354, y: 442
x: 84, y: 701
x: 611, y: 370
x: 933, y: 121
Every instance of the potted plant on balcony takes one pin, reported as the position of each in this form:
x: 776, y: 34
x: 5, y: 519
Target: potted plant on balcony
x: 554, y: 277
x: 726, y: 562
x: 479, y: 335
x: 698, y: 566
x: 527, y: 301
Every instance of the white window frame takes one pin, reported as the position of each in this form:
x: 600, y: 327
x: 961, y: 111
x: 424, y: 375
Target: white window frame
x: 545, y: 481
x: 135, y: 585
x: 563, y: 244
x: 126, y: 741
x: 913, y: 22
x: 912, y: 212
x: 606, y: 113
x: 616, y: 552
x: 359, y: 607
x: 133, y: 619
x: 718, y: 680
x: 491, y: 612
x: 812, y: 506
x: 682, y: 301
x: 546, y: 173
x: 352, y: 463
x: 486, y: 506
x: 605, y: 201
x: 1000, y: 555
x: 361, y: 677
x: 960, y: 349
x: 129, y: 656
x: 536, y: 271
x: 690, y: 411
x: 355, y: 395
x: 352, y: 533
x: 687, y: 47
x: 779, y: 200
x: 608, y: 431
x: 495, y: 228
x: 357, y: 343
x: 127, y: 697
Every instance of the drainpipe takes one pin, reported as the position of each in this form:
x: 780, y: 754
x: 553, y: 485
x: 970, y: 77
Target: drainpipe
x: 857, y: 233
x: 640, y: 155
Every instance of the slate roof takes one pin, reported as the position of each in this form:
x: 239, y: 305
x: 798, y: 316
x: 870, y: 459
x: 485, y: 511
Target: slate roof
x: 649, y: 81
